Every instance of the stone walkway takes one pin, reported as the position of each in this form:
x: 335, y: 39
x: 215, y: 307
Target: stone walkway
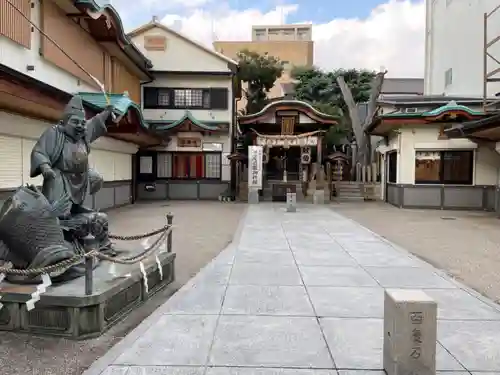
x: 302, y: 293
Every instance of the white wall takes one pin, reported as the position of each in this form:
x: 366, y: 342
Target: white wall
x: 409, y: 140
x: 110, y: 157
x: 454, y: 39
x: 180, y: 55
x: 18, y: 57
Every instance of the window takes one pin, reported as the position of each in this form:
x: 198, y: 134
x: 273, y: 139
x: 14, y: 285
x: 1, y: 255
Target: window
x: 448, y: 77
x: 444, y: 167
x: 186, y: 98
x: 427, y: 167
x: 189, y: 98
x: 189, y: 165
x: 392, y: 166
x: 146, y: 164
x: 302, y: 34
x: 260, y: 34
x: 164, y: 165
x: 213, y: 165
x: 163, y: 98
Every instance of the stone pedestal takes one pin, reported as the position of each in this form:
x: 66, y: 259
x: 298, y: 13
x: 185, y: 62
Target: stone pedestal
x: 65, y: 311
x: 253, y: 196
x: 319, y: 197
x: 410, y: 327
x: 291, y: 202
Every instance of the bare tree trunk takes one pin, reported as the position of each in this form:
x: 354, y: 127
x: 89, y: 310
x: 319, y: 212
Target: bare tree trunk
x: 359, y: 129
x: 357, y: 126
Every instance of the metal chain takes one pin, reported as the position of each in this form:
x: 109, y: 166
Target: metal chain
x: 138, y: 236
x: 136, y: 258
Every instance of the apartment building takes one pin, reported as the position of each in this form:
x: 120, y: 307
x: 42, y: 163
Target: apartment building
x: 454, y: 47
x: 292, y: 44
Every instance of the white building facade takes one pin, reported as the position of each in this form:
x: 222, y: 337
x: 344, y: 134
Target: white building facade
x: 424, y: 168
x: 39, y: 79
x: 454, y: 47
x: 191, y: 104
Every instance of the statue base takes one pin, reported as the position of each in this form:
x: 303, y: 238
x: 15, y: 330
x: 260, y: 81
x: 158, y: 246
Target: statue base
x: 65, y: 311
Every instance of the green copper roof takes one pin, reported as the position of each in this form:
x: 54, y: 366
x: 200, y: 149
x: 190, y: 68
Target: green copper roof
x: 95, y: 7
x: 451, y: 106
x: 167, y: 125
x: 121, y: 102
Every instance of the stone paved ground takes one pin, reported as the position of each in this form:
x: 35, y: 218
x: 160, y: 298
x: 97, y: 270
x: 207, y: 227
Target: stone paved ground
x: 202, y: 230
x: 467, y: 248
x: 302, y: 294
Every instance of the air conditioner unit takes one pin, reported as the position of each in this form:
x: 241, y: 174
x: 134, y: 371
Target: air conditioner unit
x: 410, y: 110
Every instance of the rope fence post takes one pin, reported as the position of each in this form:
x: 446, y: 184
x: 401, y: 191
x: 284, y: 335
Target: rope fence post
x: 170, y: 220
x: 89, y: 243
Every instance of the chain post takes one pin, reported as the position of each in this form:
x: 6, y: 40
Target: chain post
x: 89, y: 244
x: 170, y: 220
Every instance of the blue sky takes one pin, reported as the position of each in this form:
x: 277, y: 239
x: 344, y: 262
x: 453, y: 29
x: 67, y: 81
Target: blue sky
x: 318, y: 11
x: 366, y: 34
x: 315, y: 11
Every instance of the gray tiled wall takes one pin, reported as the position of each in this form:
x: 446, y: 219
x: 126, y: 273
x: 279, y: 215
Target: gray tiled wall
x: 186, y: 190
x: 444, y: 197
x: 112, y: 194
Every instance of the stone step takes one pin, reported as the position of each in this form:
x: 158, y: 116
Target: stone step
x: 350, y: 190
x: 349, y: 199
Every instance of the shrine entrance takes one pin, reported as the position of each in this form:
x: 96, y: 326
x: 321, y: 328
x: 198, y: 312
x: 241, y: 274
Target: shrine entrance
x: 291, y: 134
x: 284, y: 163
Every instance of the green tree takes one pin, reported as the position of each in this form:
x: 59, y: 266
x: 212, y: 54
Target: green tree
x: 259, y: 72
x: 321, y: 89
x: 316, y: 86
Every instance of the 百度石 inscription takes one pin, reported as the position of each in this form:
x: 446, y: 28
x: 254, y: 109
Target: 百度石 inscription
x: 416, y: 319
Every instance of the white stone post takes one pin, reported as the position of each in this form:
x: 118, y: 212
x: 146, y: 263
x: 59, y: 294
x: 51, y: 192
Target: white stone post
x: 410, y: 329
x: 291, y: 202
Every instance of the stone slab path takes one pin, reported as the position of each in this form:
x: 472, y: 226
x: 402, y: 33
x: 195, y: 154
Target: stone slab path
x: 302, y: 294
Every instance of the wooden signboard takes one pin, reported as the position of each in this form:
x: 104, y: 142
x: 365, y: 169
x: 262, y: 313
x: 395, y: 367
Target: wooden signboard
x: 155, y: 43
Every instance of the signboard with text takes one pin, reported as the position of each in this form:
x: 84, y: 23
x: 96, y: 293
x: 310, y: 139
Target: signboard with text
x: 255, y: 154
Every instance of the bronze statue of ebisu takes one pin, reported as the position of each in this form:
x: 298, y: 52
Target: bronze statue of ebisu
x: 44, y: 227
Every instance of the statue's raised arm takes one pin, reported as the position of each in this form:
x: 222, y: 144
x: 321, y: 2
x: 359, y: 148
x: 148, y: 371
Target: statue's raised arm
x: 61, y: 153
x: 96, y: 126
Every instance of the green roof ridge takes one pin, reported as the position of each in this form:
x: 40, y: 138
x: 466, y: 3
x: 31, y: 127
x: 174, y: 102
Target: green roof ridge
x: 188, y: 116
x: 121, y: 102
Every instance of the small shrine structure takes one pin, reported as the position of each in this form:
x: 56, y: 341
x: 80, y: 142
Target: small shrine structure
x: 292, y: 135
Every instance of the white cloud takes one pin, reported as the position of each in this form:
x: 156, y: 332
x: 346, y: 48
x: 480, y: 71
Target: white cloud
x: 392, y: 36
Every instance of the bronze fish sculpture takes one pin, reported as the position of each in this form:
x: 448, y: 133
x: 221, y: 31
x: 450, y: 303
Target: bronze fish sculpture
x: 31, y: 235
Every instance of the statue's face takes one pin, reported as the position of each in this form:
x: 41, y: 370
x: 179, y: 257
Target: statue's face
x: 75, y: 126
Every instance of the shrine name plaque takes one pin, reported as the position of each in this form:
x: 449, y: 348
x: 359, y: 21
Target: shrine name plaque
x: 288, y: 141
x: 280, y: 189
